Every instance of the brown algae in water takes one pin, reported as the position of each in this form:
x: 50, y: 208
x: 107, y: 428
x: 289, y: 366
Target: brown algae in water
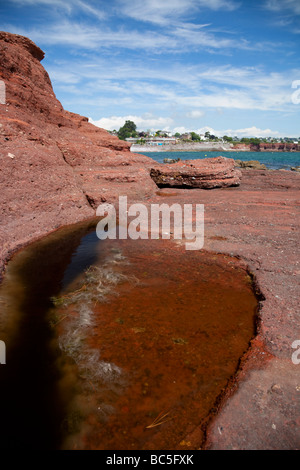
x: 137, y: 333
x: 167, y: 338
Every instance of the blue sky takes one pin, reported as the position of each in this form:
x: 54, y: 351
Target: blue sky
x: 227, y: 66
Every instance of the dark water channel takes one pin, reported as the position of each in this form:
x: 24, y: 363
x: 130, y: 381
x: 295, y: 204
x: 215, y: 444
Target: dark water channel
x: 117, y: 344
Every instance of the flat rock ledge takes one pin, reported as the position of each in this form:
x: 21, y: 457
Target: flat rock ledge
x: 209, y: 173
x: 250, y: 164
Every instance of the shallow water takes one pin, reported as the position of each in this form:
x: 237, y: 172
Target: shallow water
x: 118, y: 344
x: 32, y: 403
x: 272, y: 160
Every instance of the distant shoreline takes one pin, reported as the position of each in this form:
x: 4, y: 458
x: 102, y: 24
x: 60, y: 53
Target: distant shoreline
x: 271, y: 160
x: 184, y: 147
x: 209, y: 147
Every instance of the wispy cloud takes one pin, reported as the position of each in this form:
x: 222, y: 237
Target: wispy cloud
x: 182, y: 61
x: 194, y: 37
x: 166, y: 11
x: 67, y: 6
x: 182, y: 85
x: 147, y: 121
x: 249, y: 132
x: 102, y: 27
x: 195, y: 114
x: 179, y: 40
x: 89, y: 37
x: 283, y: 5
x: 286, y: 14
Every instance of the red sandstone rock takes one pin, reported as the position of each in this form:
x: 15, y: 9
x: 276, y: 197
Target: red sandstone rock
x: 267, y: 147
x: 56, y: 167
x: 276, y: 147
x: 219, y: 172
x: 259, y: 222
x: 46, y: 181
x: 252, y: 164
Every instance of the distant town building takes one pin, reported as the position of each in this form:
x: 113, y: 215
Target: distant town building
x: 153, y: 140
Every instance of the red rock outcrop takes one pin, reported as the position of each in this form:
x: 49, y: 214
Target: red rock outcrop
x: 251, y: 164
x: 240, y: 147
x: 56, y: 167
x: 219, y: 172
x: 276, y: 147
x: 266, y: 147
x: 52, y: 162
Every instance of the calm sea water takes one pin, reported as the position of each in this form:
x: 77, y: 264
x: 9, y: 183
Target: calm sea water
x: 272, y: 160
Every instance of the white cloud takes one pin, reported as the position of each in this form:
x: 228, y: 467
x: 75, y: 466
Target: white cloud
x: 95, y: 12
x: 181, y: 130
x: 201, y: 130
x: 188, y: 89
x: 148, y: 121
x: 207, y: 36
x: 281, y: 5
x: 63, y: 76
x: 166, y: 11
x: 248, y: 132
x: 195, y: 114
x: 178, y: 36
x: 204, y: 129
x: 245, y: 132
x: 236, y: 99
x: 142, y: 122
x: 183, y: 88
x: 84, y: 36
x: 67, y: 6
x: 177, y: 40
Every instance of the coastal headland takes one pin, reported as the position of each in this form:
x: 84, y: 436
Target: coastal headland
x: 56, y: 168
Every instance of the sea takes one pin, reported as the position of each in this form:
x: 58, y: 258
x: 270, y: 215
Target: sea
x: 272, y: 160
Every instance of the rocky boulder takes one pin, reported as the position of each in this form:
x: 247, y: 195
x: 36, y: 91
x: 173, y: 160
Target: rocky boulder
x: 219, y: 172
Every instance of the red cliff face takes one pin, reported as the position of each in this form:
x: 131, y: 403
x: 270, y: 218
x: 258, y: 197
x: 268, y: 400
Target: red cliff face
x: 56, y: 167
x: 276, y: 147
x: 268, y: 147
x: 244, y: 147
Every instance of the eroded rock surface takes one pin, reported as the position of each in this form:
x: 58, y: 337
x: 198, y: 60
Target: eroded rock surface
x: 258, y: 221
x: 219, y: 172
x: 251, y: 164
x: 56, y: 167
